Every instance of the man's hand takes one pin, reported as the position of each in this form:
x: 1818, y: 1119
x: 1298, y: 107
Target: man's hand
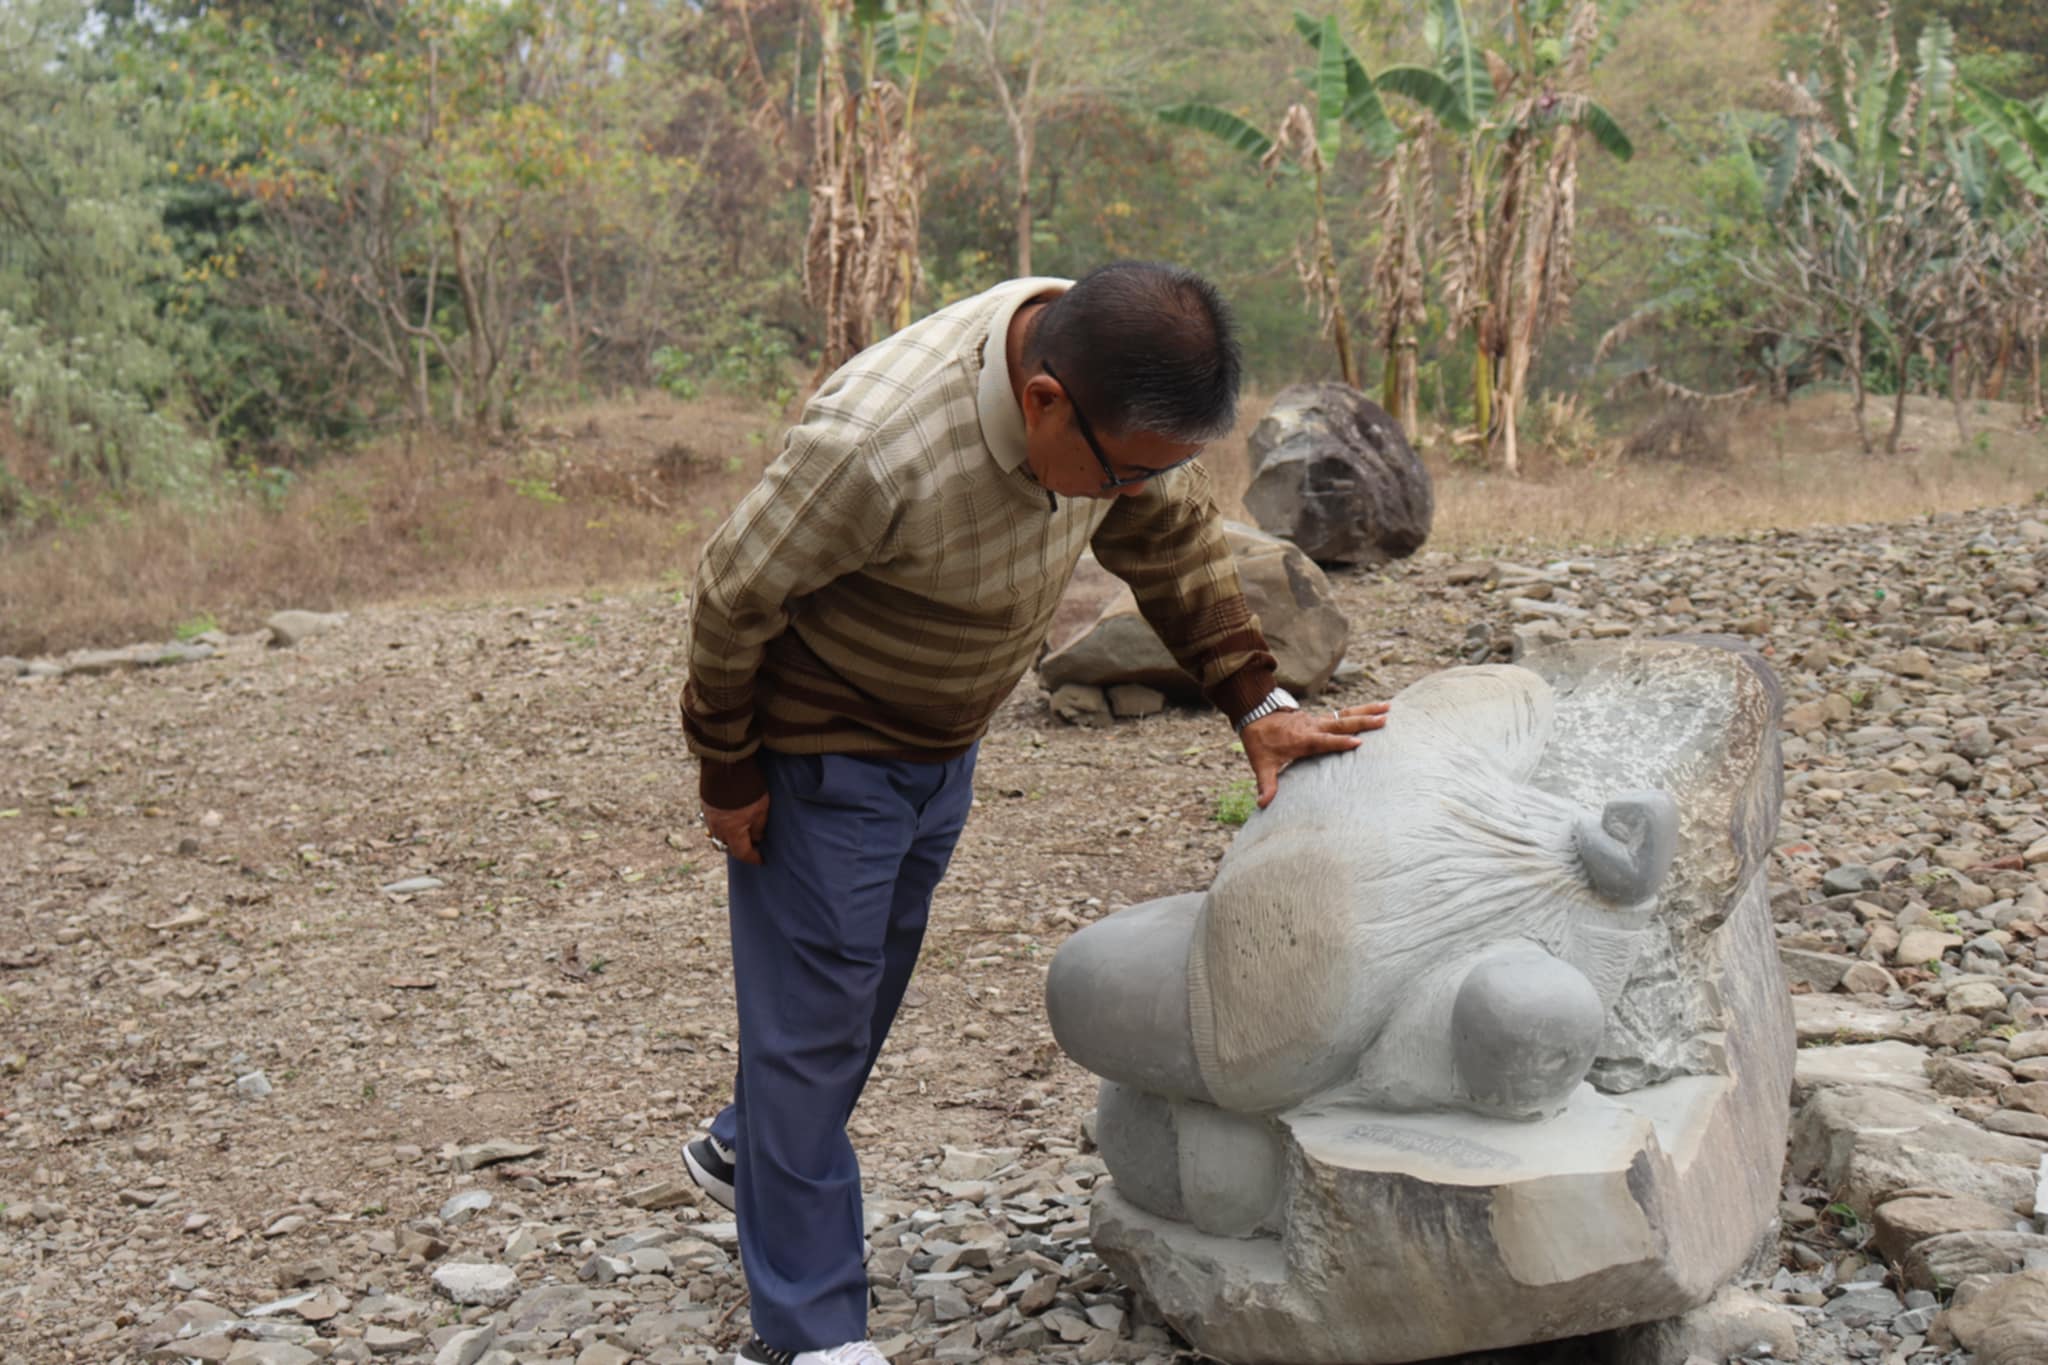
x: 738, y: 832
x: 1277, y: 740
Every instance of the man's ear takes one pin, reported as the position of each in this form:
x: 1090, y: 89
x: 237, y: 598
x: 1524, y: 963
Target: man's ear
x: 1041, y: 393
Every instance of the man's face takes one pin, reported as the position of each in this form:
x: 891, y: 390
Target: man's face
x: 1069, y: 456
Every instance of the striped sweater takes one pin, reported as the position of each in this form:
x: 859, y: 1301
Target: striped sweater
x: 887, y: 583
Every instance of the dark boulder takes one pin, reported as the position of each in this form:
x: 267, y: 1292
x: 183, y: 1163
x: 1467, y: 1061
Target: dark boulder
x: 1332, y: 472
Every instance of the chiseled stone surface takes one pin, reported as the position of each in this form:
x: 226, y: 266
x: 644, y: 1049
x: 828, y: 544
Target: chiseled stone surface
x: 1285, y: 1082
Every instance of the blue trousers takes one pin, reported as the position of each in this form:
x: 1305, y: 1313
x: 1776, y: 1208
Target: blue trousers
x: 824, y: 936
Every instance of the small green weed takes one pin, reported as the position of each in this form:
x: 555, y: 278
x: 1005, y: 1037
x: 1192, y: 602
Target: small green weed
x: 1237, y: 801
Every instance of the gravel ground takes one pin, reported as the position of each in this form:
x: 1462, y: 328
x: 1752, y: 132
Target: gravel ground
x: 294, y: 935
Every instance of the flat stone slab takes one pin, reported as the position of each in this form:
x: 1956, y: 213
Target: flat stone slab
x: 1537, y: 1220
x: 1838, y: 1019
x: 1869, y: 1143
x: 1891, y: 1064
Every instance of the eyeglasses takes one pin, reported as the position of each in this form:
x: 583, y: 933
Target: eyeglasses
x: 1111, y: 480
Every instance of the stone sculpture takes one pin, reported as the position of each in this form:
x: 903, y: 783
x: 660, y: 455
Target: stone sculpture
x: 1479, y: 1036
x: 1333, y: 473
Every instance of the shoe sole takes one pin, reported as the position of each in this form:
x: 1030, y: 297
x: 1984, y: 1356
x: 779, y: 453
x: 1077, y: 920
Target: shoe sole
x: 720, y: 1190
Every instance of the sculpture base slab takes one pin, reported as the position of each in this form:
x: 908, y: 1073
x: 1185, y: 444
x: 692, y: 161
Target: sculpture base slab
x: 1409, y: 1237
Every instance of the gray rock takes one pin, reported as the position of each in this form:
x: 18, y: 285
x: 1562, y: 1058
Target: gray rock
x: 1863, y: 1305
x: 270, y: 1353
x: 1818, y: 971
x: 467, y: 1347
x: 193, y: 1318
x: 2007, y: 1324
x: 1132, y: 700
x: 1100, y: 639
x: 1836, y: 1020
x: 254, y: 1085
x: 1080, y: 704
x: 462, y: 1207
x: 92, y: 662
x: 290, y: 628
x: 1891, y: 1064
x: 1903, y: 1224
x: 481, y: 1154
x: 1941, y: 1263
x: 1735, y: 1323
x: 1332, y: 472
x: 1870, y: 1144
x: 489, y: 1286
x: 1848, y: 880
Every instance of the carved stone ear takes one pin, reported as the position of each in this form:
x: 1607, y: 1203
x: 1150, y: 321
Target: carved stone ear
x: 1628, y: 851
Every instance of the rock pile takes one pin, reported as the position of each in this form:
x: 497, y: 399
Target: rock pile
x: 988, y: 1257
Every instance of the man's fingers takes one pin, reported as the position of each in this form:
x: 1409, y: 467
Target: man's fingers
x: 1267, y: 774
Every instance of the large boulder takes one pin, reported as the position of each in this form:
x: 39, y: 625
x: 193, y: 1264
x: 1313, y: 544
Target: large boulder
x: 1333, y: 473
x: 1099, y: 639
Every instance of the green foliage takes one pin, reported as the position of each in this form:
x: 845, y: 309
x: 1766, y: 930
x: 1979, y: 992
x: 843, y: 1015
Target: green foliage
x: 1234, y: 132
x: 750, y: 361
x: 90, y: 359
x: 1236, y: 802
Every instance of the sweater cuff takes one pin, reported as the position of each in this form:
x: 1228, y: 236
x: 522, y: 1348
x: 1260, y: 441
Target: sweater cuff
x: 730, y: 786
x: 1237, y: 694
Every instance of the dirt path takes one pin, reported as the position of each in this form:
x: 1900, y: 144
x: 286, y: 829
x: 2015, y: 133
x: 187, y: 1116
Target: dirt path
x: 567, y: 982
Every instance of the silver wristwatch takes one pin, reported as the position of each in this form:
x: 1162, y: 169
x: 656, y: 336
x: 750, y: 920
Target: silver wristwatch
x: 1279, y: 699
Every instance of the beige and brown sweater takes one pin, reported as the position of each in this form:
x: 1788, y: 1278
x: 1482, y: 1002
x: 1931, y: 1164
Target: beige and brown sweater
x: 887, y: 583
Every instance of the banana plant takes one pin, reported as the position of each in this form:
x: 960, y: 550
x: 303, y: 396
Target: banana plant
x: 2009, y: 182
x: 860, y: 251
x: 1309, y: 136
x: 1512, y: 121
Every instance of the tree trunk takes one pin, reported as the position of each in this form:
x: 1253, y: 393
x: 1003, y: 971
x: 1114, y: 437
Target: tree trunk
x: 1856, y: 384
x: 1024, y: 157
x: 1482, y: 390
x: 2036, y: 348
x: 1994, y: 385
x: 1956, y: 395
x: 1333, y: 296
x: 470, y: 290
x: 574, y: 333
x: 1891, y: 441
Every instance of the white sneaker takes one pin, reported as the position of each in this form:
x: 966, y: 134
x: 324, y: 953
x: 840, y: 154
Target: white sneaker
x: 758, y: 1352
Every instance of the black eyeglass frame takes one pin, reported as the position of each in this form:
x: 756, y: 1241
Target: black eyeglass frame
x: 1111, y: 479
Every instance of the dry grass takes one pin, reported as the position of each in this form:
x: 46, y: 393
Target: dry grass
x: 622, y: 492
x: 1790, y: 466
x: 625, y: 492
